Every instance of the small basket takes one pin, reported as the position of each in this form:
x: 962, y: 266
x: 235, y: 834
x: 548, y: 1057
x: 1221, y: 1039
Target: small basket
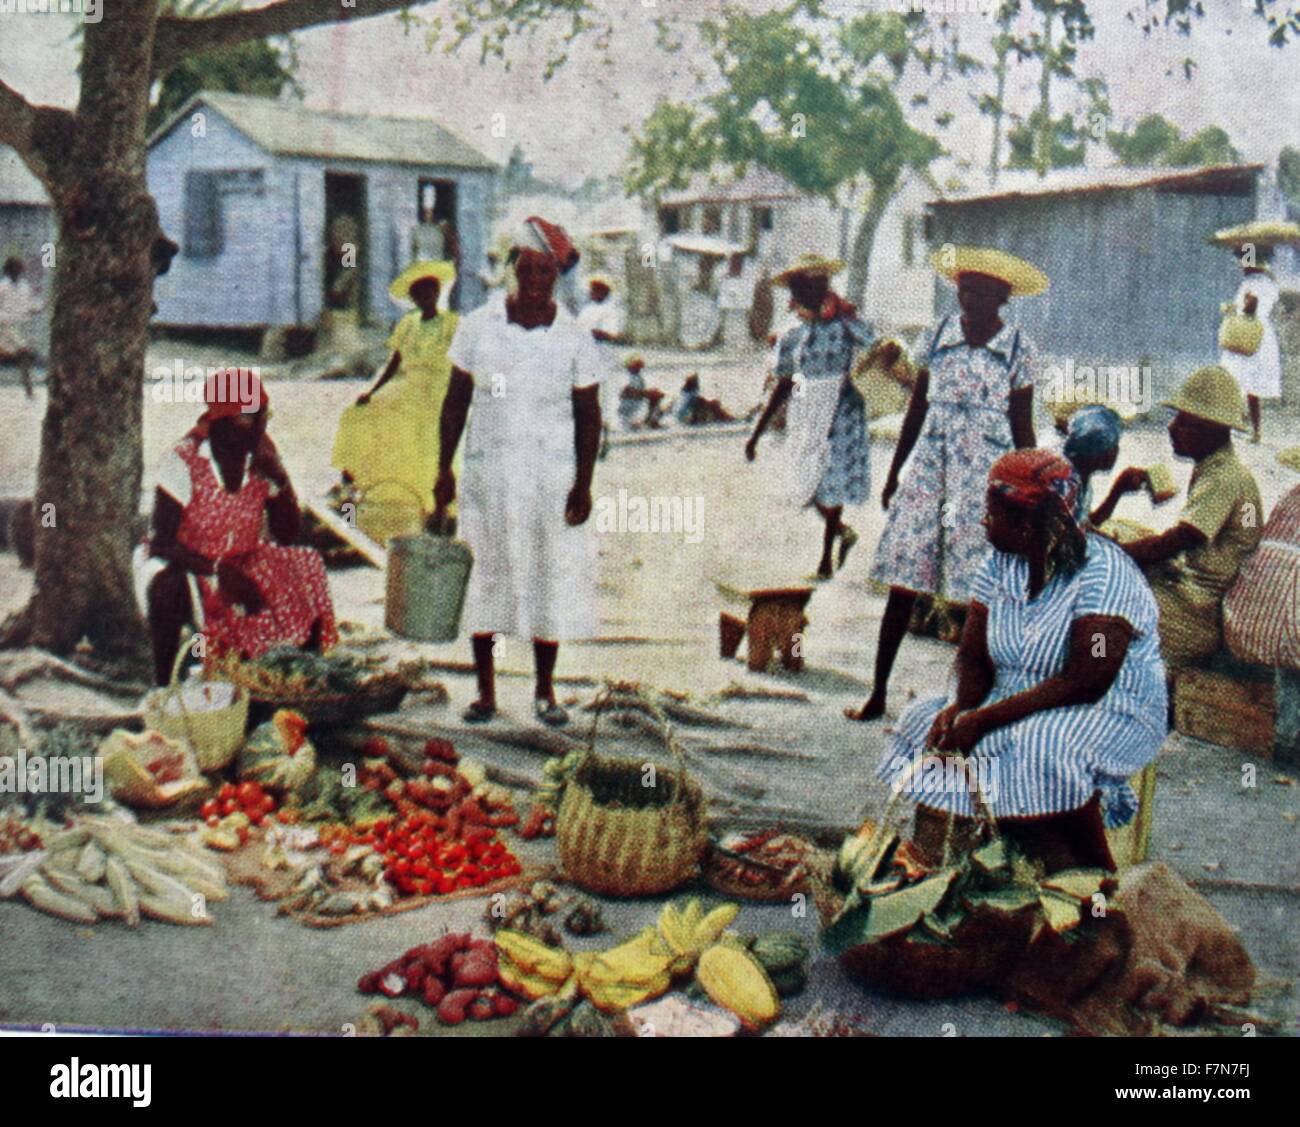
x: 213, y: 734
x: 617, y: 848
x: 383, y: 692
x: 1241, y: 334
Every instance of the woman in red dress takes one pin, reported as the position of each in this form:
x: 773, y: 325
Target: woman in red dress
x: 221, y: 490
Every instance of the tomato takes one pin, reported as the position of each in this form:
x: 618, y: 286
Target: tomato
x: 287, y: 817
x: 249, y: 793
x: 339, y: 847
x: 227, y: 791
x: 445, y: 885
x: 213, y: 820
x: 267, y: 804
x: 242, y: 833
x: 208, y: 808
x: 228, y: 806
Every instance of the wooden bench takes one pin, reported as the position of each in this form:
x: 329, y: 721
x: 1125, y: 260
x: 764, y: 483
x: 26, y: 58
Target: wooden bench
x: 775, y: 625
x: 1251, y: 708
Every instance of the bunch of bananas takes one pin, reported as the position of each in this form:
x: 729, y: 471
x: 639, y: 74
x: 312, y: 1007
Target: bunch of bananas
x: 688, y: 930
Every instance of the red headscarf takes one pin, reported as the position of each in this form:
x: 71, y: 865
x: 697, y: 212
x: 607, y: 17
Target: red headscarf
x: 551, y: 239
x: 1029, y: 477
x: 230, y: 392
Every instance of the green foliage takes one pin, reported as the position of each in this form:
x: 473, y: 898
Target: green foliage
x: 1282, y: 17
x: 246, y: 68
x: 809, y: 98
x: 1066, y: 143
x: 1155, y: 141
x: 1288, y: 175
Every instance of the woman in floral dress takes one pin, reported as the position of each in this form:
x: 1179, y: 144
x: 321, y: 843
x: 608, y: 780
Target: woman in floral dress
x: 826, y: 446
x: 217, y: 490
x: 972, y: 402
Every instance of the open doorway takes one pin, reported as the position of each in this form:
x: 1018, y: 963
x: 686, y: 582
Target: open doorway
x: 347, y: 257
x: 435, y: 236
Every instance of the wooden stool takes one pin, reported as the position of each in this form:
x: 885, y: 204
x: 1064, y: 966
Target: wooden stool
x: 776, y: 623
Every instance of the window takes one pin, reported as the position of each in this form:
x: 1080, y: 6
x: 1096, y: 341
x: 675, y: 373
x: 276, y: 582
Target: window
x: 762, y: 219
x: 670, y: 220
x: 204, y: 219
x: 711, y: 220
x: 203, y: 227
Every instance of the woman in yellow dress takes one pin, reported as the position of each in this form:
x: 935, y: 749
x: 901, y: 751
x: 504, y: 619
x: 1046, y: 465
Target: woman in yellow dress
x: 387, y: 442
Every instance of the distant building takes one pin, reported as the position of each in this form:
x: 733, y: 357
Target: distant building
x: 27, y: 228
x: 256, y: 189
x: 1133, y: 280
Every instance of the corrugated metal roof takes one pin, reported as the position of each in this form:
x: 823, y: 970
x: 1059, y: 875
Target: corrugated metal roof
x: 290, y: 129
x: 17, y: 184
x: 721, y: 186
x: 1068, y: 181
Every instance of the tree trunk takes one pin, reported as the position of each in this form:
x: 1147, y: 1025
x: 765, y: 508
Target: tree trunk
x: 1043, y: 138
x: 855, y: 289
x: 995, y: 158
x: 88, y: 475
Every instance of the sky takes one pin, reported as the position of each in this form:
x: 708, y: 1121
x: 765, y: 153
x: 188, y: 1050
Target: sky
x: 575, y: 124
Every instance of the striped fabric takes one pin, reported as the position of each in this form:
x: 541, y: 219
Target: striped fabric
x: 1051, y: 761
x: 1261, y: 613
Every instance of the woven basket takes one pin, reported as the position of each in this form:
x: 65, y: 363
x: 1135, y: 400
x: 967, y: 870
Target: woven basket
x: 1241, y: 334
x: 609, y: 844
x: 213, y: 734
x: 983, y: 952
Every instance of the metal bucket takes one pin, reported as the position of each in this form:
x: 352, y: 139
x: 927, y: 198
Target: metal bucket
x: 427, y: 577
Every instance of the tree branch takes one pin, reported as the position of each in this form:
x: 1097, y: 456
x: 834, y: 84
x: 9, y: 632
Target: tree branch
x: 35, y: 133
x: 177, y: 37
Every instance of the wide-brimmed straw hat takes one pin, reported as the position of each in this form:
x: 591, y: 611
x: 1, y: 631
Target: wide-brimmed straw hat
x: 444, y: 271
x: 1258, y: 232
x: 815, y: 264
x: 1290, y: 458
x: 1024, y: 278
x: 1211, y: 393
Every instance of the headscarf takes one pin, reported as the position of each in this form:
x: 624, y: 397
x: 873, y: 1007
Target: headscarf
x: 536, y: 233
x: 1046, y: 484
x: 229, y: 392
x: 1095, y: 429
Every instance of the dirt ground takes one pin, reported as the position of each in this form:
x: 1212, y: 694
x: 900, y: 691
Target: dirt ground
x: 659, y: 605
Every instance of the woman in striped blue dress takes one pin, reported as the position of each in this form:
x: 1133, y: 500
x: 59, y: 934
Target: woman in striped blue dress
x: 1060, y: 689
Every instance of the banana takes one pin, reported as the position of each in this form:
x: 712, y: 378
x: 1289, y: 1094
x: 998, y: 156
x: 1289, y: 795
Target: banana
x: 40, y: 894
x: 171, y: 911
x: 64, y: 882
x: 533, y: 957
x: 90, y: 864
x: 124, y: 890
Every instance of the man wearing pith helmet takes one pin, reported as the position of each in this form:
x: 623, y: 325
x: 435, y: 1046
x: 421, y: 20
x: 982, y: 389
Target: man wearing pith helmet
x: 1192, y: 565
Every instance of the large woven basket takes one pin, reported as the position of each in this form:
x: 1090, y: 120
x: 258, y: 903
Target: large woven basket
x: 619, y: 837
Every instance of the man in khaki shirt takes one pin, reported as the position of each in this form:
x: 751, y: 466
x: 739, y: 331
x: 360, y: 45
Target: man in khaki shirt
x: 1191, y: 566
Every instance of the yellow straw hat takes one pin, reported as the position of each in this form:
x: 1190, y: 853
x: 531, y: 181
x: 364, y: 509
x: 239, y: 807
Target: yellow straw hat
x: 444, y: 271
x: 1290, y: 458
x: 1024, y: 278
x: 1267, y: 233
x: 808, y: 264
x: 1211, y: 393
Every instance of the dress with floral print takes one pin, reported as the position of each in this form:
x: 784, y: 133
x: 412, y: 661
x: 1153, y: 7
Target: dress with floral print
x: 934, y: 540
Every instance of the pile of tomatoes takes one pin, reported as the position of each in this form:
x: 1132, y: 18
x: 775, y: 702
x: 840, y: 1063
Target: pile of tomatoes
x: 421, y: 860
x: 243, y: 798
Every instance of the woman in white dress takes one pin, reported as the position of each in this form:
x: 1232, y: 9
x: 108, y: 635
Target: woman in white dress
x: 1260, y: 375
x: 533, y: 376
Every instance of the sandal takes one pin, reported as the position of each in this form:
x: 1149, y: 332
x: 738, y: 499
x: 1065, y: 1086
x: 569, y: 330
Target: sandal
x: 478, y: 713
x: 548, y: 712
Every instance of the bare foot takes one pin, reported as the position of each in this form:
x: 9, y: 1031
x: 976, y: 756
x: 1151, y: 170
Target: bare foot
x: 874, y: 709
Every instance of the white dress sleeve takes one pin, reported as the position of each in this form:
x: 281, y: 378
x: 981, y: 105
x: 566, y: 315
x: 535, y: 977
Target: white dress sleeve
x: 590, y: 363
x: 466, y: 344
x: 172, y: 476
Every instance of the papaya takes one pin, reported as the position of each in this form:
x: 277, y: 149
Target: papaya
x: 736, y: 981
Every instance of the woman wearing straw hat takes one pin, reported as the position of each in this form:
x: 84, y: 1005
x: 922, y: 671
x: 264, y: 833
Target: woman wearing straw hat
x: 972, y: 401
x: 828, y: 458
x: 390, y: 435
x: 533, y: 376
x: 1192, y: 565
x: 1260, y: 374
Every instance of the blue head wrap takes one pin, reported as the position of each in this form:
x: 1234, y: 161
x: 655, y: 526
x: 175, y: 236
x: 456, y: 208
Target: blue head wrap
x: 1094, y: 429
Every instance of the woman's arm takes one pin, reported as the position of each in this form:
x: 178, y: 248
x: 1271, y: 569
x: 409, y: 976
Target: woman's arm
x: 455, y: 410
x: 1098, y: 646
x: 283, y: 514
x: 1020, y: 413
x: 163, y: 544
x: 387, y: 374
x: 586, y: 445
x: 917, y: 408
x: 784, y: 386
x: 974, y: 668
